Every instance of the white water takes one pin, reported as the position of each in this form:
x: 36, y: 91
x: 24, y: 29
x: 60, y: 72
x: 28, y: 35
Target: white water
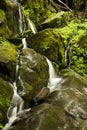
x: 22, y: 26
x: 24, y: 42
x: 54, y: 80
x: 32, y: 26
x: 67, y: 56
x: 52, y: 73
x: 15, y: 107
x: 20, y: 19
x: 16, y: 103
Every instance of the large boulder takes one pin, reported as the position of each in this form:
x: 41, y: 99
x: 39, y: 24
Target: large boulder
x: 33, y: 73
x: 49, y: 43
x: 66, y: 107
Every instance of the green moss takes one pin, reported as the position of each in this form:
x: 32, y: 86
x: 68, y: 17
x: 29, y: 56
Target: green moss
x: 79, y: 62
x: 2, y: 15
x: 37, y: 11
x: 28, y: 87
x: 7, y: 51
x: 49, y: 43
x: 73, y: 31
x: 4, y: 30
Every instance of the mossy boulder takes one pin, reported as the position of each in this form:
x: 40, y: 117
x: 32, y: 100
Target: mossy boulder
x: 33, y: 72
x: 49, y: 43
x: 5, y: 100
x: 8, y: 57
x: 10, y: 13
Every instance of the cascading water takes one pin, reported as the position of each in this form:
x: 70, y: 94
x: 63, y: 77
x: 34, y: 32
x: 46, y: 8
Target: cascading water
x: 52, y: 73
x: 54, y: 80
x: 24, y: 42
x: 22, y: 26
x: 32, y: 26
x: 67, y: 56
x: 17, y: 102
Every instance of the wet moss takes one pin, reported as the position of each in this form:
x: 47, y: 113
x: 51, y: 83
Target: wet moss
x: 49, y: 43
x: 7, y: 51
x: 2, y: 15
x: 8, y: 57
x: 4, y: 30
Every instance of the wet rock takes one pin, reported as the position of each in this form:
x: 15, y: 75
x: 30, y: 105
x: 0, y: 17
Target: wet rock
x: 41, y: 96
x: 66, y: 108
x: 33, y: 73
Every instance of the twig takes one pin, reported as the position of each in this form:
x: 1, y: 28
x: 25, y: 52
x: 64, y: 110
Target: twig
x: 64, y: 5
x: 57, y: 6
x: 54, y: 5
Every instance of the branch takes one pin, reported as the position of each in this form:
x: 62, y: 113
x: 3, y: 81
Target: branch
x: 54, y: 5
x: 62, y: 6
x: 65, y: 5
x: 57, y: 6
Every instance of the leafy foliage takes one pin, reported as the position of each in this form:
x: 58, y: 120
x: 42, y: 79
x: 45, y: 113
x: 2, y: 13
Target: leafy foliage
x: 75, y: 32
x: 79, y: 62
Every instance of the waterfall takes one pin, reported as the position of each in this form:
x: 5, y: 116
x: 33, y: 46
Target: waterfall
x: 20, y: 19
x: 15, y: 107
x: 54, y: 80
x: 32, y: 26
x: 52, y: 73
x: 67, y: 56
x: 22, y: 26
x: 24, y: 42
x: 17, y: 102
